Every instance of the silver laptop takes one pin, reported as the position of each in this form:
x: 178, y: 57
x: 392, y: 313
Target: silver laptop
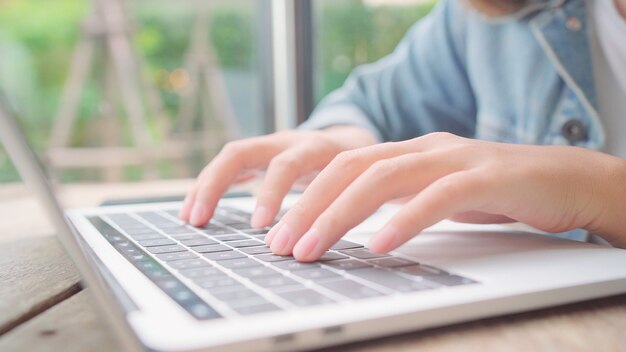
x: 167, y: 286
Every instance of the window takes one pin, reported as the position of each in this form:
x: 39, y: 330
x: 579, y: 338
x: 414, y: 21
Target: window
x: 349, y: 33
x: 196, y: 75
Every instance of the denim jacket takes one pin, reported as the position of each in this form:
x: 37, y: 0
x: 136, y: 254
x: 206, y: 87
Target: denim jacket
x: 525, y: 78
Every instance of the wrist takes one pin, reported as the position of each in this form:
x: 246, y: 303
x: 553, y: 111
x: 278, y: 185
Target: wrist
x: 611, y: 204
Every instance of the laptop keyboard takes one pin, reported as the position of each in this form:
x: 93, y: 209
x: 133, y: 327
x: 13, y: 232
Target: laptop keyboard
x: 225, y: 269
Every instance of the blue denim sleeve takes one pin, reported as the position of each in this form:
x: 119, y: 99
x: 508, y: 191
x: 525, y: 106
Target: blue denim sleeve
x: 421, y: 87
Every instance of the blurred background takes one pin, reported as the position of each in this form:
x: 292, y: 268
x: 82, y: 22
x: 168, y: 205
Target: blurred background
x: 128, y: 90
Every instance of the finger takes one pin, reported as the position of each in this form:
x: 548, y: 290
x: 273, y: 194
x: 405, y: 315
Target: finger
x: 341, y: 171
x: 455, y: 193
x: 385, y: 180
x: 339, y: 174
x: 282, y: 173
x: 215, y: 179
x: 246, y: 176
x: 185, y: 210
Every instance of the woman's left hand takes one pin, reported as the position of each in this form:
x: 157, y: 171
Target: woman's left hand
x: 551, y: 188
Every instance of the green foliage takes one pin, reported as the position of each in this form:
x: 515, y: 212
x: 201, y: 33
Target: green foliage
x: 37, y: 38
x: 351, y: 34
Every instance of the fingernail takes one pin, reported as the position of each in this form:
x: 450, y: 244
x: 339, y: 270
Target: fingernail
x: 384, y: 240
x: 198, y: 214
x: 306, y: 248
x: 281, y: 240
x: 260, y: 217
x: 270, y: 235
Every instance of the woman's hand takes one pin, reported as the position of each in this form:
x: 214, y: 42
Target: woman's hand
x: 286, y: 155
x: 554, y: 189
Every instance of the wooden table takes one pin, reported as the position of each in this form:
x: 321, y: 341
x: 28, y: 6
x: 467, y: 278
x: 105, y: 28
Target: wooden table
x: 43, y: 308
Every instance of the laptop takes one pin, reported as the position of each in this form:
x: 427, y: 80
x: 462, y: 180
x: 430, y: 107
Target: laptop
x: 166, y: 286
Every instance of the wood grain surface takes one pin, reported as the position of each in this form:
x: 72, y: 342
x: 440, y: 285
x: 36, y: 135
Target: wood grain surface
x: 35, y: 274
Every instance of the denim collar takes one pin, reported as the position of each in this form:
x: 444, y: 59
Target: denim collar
x: 562, y: 30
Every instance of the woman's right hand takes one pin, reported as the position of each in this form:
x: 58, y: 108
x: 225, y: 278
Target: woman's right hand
x: 286, y: 156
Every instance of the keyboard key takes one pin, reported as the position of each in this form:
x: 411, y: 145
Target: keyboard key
x: 188, y: 264
x: 343, y: 244
x: 293, y: 265
x: 158, y: 273
x: 258, y: 271
x: 449, y: 280
x: 256, y: 250
x: 305, y: 298
x: 131, y: 251
x: 261, y: 308
x: 391, y: 262
x: 138, y: 257
x: 147, y: 236
x: 421, y: 270
x: 148, y: 265
x: 239, y: 263
x: 231, y: 237
x: 201, y: 310
x: 241, y: 226
x: 143, y: 230
x: 247, y: 302
x: 166, y: 249
x: 258, y: 237
x: 186, y: 237
x: 275, y: 281
x: 389, y: 280
x: 221, y: 232
x: 351, y: 289
x: 183, y: 296
x: 170, y: 257
x: 196, y: 273
x: 347, y: 264
x: 197, y: 242
x: 177, y: 230
x: 210, y: 227
x: 256, y: 231
x: 170, y: 284
x: 317, y: 274
x: 228, y: 219
x: 246, y: 243
x: 362, y: 253
x: 158, y: 242
x: 123, y: 245
x: 236, y: 295
x: 211, y: 248
x: 217, y: 256
x: 234, y: 211
x: 273, y: 258
x: 218, y: 281
x: 172, y: 212
x: 231, y: 289
x: 328, y: 256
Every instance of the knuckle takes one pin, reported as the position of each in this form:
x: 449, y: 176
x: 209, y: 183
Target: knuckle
x: 286, y: 161
x: 348, y: 159
x: 439, y: 136
x: 204, y: 190
x: 384, y: 170
x: 297, y: 211
x: 455, y: 187
x: 232, y: 149
x: 411, y: 217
